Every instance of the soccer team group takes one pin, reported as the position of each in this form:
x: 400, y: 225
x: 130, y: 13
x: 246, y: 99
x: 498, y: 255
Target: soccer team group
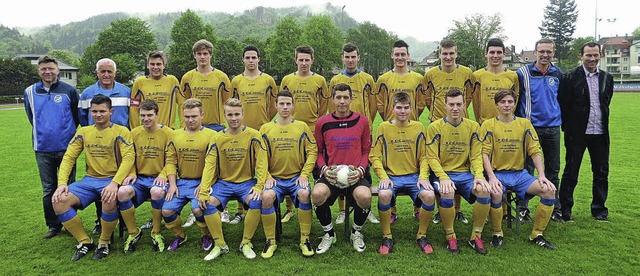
x: 246, y: 139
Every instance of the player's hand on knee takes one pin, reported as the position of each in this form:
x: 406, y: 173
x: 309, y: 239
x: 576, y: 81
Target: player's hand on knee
x: 425, y: 184
x: 110, y: 192
x: 385, y: 184
x: 302, y: 182
x: 447, y: 186
x: 255, y: 194
x: 129, y: 180
x: 270, y: 183
x: 63, y: 189
x: 202, y: 203
x: 546, y: 184
x: 481, y: 185
x: 159, y: 181
x: 496, y: 185
x: 173, y: 190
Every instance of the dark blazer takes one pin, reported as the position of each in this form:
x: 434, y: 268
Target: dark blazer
x: 573, y: 96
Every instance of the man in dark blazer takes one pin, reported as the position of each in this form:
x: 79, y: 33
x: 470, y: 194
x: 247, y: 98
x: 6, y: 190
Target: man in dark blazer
x: 584, y: 96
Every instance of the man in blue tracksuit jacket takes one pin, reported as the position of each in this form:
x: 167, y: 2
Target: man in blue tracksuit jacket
x: 52, y: 109
x: 538, y: 102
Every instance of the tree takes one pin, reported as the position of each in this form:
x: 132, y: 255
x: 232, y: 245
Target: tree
x: 281, y: 47
x: 186, y: 30
x: 374, y: 44
x: 472, y: 34
x: 559, y: 24
x: 326, y: 40
x: 16, y: 75
x: 636, y: 32
x: 229, y: 57
x: 130, y: 37
x: 66, y: 56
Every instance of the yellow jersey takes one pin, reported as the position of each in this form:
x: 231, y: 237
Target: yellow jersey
x: 363, y: 89
x: 291, y: 149
x: 438, y: 82
x: 508, y: 144
x: 454, y: 148
x: 485, y: 88
x: 258, y: 97
x: 150, y: 150
x: 390, y: 83
x: 310, y: 95
x: 213, y: 89
x: 186, y: 152
x: 399, y: 150
x: 164, y: 91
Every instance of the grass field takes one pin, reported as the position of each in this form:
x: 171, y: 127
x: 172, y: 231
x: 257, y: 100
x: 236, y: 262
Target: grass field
x: 585, y: 246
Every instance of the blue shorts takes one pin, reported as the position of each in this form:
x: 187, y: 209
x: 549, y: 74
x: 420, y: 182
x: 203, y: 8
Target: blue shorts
x: 286, y: 187
x: 407, y: 184
x: 88, y: 189
x: 463, y: 182
x: 186, y: 187
x: 225, y: 190
x: 516, y: 181
x: 142, y: 188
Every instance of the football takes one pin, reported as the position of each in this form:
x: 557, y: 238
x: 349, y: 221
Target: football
x: 342, y: 172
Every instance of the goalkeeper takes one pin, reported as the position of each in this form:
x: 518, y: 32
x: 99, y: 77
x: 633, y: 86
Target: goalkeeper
x: 402, y: 141
x: 343, y: 138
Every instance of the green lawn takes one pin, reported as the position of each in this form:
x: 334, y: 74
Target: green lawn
x: 585, y: 246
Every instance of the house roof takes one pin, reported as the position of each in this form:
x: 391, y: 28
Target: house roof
x: 61, y: 64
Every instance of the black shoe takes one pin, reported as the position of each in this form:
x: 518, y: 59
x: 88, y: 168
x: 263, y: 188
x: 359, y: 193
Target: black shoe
x: 603, y: 218
x: 557, y: 217
x: 567, y: 217
x: 81, y: 250
x: 52, y: 233
x: 460, y: 217
x: 496, y: 241
x: 436, y: 218
x: 540, y: 241
x: 524, y: 216
x: 97, y: 230
x: 102, y: 251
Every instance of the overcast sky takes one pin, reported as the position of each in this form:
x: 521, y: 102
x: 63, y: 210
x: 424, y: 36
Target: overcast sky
x: 424, y: 20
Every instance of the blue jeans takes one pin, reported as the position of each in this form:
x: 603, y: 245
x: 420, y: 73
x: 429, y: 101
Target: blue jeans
x: 48, y: 165
x: 549, y: 138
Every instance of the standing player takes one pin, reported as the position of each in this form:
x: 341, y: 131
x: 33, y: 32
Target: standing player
x: 185, y: 158
x: 292, y: 154
x: 400, y: 79
x: 308, y: 88
x: 539, y: 82
x: 507, y: 140
x: 149, y: 176
x: 438, y: 81
x: 120, y: 96
x: 110, y: 156
x: 490, y: 80
x: 52, y: 108
x: 343, y: 138
x: 256, y: 90
x: 400, y: 161
x: 364, y: 99
x: 236, y: 165
x: 207, y: 84
x: 164, y: 89
x: 455, y: 157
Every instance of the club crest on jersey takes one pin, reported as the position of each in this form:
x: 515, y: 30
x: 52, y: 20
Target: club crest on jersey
x: 57, y: 99
x: 553, y: 81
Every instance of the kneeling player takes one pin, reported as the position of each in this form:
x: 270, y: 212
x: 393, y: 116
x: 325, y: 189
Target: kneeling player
x: 104, y: 144
x: 236, y: 166
x: 186, y: 154
x: 149, y: 176
x: 507, y: 139
x: 343, y: 138
x: 292, y: 153
x: 399, y: 159
x: 454, y: 152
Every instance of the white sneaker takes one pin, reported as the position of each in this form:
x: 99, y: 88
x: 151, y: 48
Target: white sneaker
x: 372, y: 218
x: 216, y: 251
x: 236, y: 219
x: 357, y: 239
x: 247, y: 250
x: 325, y: 244
x: 340, y: 218
x: 224, y: 216
x: 190, y: 220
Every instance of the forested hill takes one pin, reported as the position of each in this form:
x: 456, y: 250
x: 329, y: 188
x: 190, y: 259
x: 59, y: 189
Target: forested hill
x: 258, y: 23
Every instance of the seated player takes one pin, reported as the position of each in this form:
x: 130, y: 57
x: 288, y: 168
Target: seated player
x: 185, y: 158
x: 109, y: 156
x: 236, y: 166
x: 343, y: 138
x: 292, y: 153
x: 507, y: 139
x: 455, y: 157
x: 148, y: 178
x: 400, y: 161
